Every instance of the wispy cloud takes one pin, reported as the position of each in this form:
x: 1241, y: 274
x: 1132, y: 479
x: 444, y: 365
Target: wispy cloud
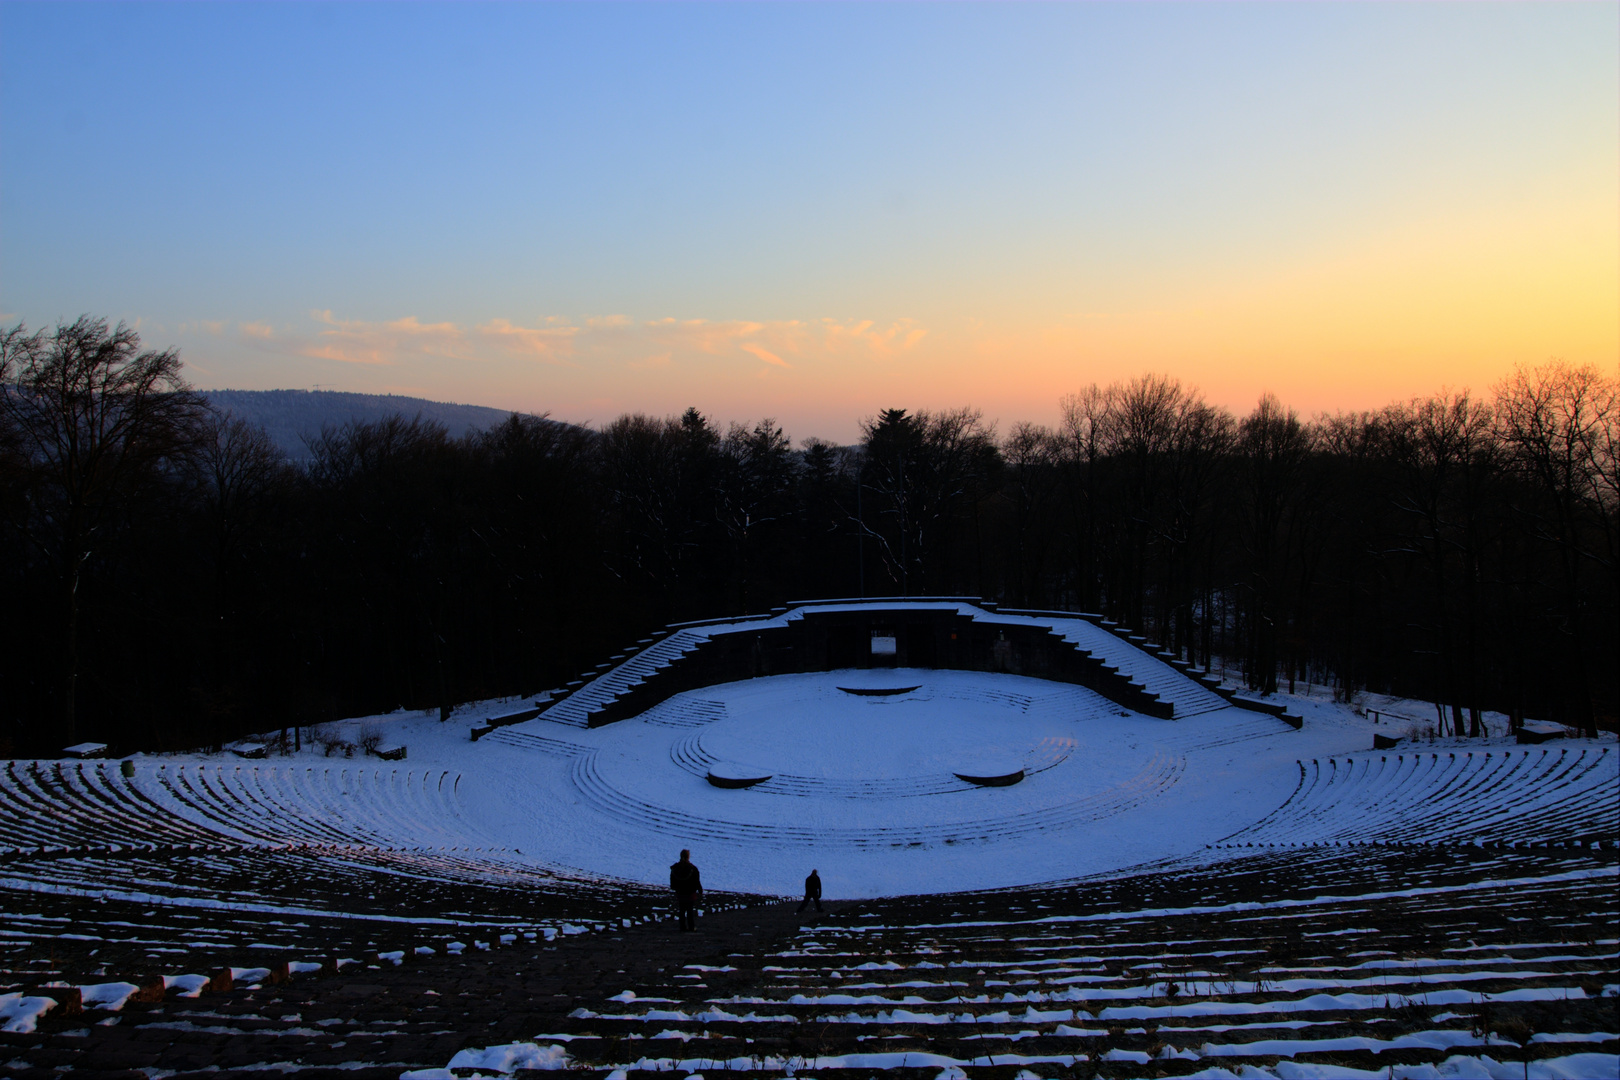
x: 547, y: 342
x: 783, y: 344
x: 883, y: 342
x: 764, y: 354
x: 354, y: 341
x: 701, y: 335
x: 774, y: 342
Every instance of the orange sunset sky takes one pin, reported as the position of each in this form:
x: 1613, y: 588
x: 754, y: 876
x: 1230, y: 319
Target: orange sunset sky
x: 815, y: 212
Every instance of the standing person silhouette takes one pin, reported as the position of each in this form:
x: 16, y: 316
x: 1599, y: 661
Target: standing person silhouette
x: 812, y: 891
x: 688, y: 886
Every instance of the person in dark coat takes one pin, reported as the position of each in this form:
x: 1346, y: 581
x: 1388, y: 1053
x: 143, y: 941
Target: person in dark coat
x: 687, y: 886
x: 812, y: 891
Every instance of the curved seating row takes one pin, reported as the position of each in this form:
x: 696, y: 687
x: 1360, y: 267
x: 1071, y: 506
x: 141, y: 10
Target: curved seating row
x: 1535, y: 795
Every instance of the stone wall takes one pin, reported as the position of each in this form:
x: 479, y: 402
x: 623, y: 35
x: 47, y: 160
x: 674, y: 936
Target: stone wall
x: 925, y: 638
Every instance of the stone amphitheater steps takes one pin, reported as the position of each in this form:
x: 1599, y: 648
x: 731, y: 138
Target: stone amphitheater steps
x: 693, y: 758
x: 1239, y: 965
x: 689, y: 755
x: 576, y: 709
x: 373, y: 1019
x: 1364, y: 959
x: 1155, y: 675
x: 685, y: 711
x: 1248, y: 965
x: 67, y: 804
x: 335, y: 804
x: 132, y: 913
x: 1126, y: 662
x: 1161, y: 771
x: 1539, y: 795
x: 531, y: 737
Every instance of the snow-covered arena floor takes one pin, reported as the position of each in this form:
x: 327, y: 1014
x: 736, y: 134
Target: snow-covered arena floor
x: 867, y: 788
x: 1214, y: 896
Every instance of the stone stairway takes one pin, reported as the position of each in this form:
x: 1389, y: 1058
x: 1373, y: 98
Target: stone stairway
x: 614, y: 681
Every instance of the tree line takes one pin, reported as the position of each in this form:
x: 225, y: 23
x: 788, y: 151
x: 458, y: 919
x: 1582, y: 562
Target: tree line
x: 172, y: 580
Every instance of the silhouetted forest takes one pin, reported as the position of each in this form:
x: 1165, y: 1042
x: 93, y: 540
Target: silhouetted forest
x: 171, y: 579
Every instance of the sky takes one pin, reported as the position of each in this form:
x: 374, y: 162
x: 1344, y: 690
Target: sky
x: 814, y: 212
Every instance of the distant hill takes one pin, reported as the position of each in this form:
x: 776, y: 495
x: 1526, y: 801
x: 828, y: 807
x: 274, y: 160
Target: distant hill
x: 289, y: 415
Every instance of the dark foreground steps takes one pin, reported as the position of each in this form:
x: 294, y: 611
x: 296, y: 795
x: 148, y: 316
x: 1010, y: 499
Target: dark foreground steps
x: 1384, y: 961
x: 376, y: 1020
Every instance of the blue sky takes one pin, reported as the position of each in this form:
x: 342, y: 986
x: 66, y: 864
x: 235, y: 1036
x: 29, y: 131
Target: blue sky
x: 815, y: 211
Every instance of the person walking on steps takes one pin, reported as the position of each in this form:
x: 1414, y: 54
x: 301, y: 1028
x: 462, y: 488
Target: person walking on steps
x: 812, y: 891
x: 687, y: 886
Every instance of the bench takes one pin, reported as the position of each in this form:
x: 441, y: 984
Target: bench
x: 85, y: 750
x: 1540, y: 731
x: 251, y: 750
x: 390, y: 752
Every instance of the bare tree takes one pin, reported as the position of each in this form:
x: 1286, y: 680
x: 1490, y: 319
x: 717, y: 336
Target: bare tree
x: 1557, y: 423
x: 1201, y: 442
x: 1273, y: 446
x: 1086, y: 418
x: 1031, y: 453
x: 921, y: 470
x: 755, y: 489
x: 234, y: 472
x: 95, y: 420
x: 1442, y: 448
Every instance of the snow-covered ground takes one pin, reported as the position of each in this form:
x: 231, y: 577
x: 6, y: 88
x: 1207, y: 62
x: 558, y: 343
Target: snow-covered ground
x: 866, y: 788
x: 869, y: 789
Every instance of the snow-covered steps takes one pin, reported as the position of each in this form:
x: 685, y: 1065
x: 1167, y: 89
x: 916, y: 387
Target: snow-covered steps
x: 133, y: 914
x: 333, y: 804
x: 1528, y: 796
x: 90, y: 804
x: 686, y: 712
x: 1154, y: 674
x: 602, y: 790
x: 587, y: 702
x: 533, y: 737
x: 1240, y: 968
x: 94, y: 805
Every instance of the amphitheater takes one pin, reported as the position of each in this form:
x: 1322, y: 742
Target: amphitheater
x: 1049, y: 848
